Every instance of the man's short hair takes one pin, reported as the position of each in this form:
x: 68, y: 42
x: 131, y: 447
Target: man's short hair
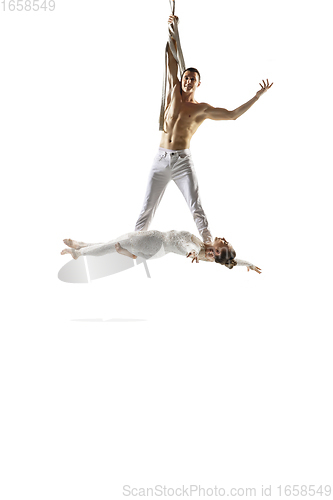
x: 194, y: 70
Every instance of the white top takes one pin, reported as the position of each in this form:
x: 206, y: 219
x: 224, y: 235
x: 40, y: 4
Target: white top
x: 154, y: 244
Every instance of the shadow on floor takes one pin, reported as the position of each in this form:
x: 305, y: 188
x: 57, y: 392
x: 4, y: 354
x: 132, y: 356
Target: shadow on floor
x: 112, y: 320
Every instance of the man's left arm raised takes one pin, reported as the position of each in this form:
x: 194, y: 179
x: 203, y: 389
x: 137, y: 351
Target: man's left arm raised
x: 172, y: 63
x: 224, y: 114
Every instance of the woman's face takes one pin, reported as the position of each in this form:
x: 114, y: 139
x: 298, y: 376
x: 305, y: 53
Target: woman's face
x: 220, y: 246
x: 210, y: 254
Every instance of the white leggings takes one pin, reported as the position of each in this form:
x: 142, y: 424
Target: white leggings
x: 177, y: 166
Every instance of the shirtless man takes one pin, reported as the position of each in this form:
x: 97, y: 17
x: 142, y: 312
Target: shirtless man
x: 183, y: 116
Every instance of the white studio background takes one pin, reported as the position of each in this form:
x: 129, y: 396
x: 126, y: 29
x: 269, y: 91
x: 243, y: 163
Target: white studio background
x: 200, y: 375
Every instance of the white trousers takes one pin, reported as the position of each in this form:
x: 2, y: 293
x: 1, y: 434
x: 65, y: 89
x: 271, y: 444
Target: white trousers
x: 177, y: 166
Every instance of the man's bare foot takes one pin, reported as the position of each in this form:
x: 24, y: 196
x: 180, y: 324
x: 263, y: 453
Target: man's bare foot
x: 75, y: 244
x: 71, y: 251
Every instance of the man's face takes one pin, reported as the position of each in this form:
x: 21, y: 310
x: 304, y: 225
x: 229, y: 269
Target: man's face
x: 190, y: 81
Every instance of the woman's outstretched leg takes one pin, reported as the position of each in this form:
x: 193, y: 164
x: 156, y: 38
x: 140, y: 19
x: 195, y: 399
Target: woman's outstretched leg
x: 97, y: 249
x: 123, y: 251
x: 70, y: 251
x: 77, y: 245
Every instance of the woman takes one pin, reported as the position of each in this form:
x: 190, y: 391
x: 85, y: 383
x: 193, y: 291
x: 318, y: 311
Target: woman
x: 154, y: 244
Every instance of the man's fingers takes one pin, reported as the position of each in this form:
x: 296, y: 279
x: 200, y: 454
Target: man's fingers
x: 267, y: 85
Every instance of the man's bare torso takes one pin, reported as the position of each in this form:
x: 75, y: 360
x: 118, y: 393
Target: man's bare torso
x: 181, y: 121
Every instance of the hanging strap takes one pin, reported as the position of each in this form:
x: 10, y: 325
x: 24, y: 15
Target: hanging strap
x: 177, y: 54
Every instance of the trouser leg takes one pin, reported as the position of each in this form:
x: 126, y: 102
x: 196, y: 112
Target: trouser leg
x: 157, y: 181
x: 185, y: 177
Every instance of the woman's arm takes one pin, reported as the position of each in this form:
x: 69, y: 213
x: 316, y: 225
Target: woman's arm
x: 192, y: 248
x: 249, y: 266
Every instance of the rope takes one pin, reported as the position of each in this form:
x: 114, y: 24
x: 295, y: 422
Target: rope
x: 172, y: 6
x: 177, y: 54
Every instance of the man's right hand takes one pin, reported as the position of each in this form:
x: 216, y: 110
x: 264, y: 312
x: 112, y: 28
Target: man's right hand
x: 173, y: 19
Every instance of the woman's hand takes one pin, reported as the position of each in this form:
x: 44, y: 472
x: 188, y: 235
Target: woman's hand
x: 254, y: 268
x: 194, y: 256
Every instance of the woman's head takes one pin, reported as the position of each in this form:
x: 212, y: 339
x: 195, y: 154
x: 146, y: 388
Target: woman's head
x: 224, y: 253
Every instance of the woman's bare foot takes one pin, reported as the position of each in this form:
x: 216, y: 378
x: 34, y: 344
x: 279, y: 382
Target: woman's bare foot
x: 71, y: 251
x: 123, y: 251
x: 75, y: 244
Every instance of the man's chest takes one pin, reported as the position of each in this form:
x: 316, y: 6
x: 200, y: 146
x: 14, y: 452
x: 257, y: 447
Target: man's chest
x: 188, y: 114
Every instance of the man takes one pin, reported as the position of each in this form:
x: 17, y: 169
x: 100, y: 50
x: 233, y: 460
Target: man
x: 183, y: 116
